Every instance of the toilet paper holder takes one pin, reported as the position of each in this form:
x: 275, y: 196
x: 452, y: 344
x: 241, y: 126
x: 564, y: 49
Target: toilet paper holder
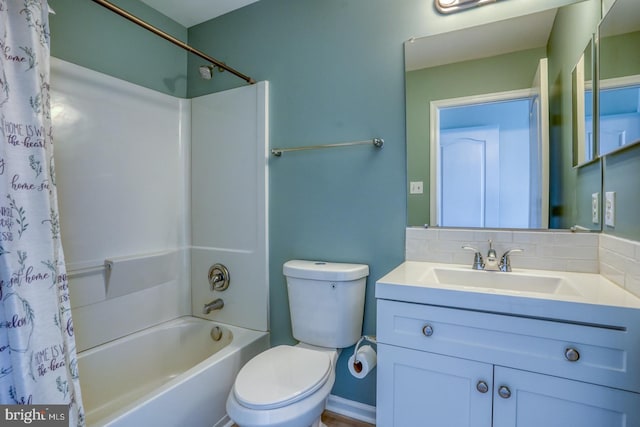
x: 357, y: 366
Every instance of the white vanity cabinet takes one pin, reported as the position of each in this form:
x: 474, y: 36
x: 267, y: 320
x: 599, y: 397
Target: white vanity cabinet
x: 451, y: 367
x: 527, y: 399
x: 417, y: 388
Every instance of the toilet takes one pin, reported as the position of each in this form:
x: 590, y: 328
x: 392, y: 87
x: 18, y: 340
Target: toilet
x: 288, y: 386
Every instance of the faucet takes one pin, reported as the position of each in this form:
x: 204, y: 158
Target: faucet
x: 478, y: 262
x: 491, y: 263
x: 505, y: 260
x: 216, y: 304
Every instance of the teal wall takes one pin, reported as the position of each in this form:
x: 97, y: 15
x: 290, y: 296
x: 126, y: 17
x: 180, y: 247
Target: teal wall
x: 500, y: 73
x: 336, y: 73
x: 89, y: 35
x: 336, y: 70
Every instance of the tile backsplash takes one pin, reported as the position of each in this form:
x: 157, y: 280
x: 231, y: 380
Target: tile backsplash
x: 616, y: 259
x: 620, y: 262
x: 547, y: 250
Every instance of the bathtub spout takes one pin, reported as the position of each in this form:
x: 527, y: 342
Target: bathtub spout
x: 216, y: 304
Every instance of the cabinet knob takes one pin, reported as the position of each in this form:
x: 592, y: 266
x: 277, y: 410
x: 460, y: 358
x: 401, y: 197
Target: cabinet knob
x: 482, y: 387
x: 504, y: 392
x: 571, y: 354
x: 427, y: 330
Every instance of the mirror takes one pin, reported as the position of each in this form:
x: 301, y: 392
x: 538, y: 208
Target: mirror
x: 495, y: 61
x: 619, y: 77
x: 584, y: 141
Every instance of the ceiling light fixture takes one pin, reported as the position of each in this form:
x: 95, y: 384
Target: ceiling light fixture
x: 450, y: 6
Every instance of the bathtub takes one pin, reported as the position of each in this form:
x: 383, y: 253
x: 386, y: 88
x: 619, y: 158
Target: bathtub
x: 172, y: 374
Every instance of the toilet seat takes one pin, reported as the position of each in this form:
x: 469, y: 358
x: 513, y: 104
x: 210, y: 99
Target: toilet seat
x: 281, y: 376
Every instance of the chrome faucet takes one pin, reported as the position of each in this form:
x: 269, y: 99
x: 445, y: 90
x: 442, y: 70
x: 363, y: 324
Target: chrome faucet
x: 492, y: 263
x: 505, y: 260
x: 216, y: 304
x: 478, y: 262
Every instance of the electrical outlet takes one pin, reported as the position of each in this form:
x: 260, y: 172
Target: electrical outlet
x: 595, y: 208
x: 610, y: 208
x: 416, y: 187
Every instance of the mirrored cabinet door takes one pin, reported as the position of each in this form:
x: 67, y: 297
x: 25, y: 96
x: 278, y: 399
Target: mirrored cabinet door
x: 619, y: 77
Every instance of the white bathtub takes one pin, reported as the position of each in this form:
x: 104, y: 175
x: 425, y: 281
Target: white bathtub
x: 173, y: 374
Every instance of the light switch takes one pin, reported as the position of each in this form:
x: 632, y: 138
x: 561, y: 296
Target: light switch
x: 610, y: 208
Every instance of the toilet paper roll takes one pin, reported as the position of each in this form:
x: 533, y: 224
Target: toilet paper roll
x: 361, y: 363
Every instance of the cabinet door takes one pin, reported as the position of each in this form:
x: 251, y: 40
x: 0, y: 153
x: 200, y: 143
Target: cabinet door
x: 540, y: 400
x: 418, y: 389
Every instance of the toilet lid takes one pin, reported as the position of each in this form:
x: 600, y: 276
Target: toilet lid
x: 280, y: 376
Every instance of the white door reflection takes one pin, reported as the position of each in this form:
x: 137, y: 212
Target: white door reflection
x: 488, y: 167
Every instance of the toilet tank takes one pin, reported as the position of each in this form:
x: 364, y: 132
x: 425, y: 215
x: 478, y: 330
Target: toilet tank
x: 326, y: 301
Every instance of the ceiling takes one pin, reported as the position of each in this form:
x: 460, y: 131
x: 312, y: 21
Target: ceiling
x: 478, y: 42
x: 623, y: 18
x: 192, y: 12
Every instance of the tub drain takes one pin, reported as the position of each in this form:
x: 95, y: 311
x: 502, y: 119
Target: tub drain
x: 216, y: 333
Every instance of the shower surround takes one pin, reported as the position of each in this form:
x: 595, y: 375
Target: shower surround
x: 144, y: 184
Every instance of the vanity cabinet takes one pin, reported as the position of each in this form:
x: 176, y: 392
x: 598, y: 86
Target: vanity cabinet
x: 418, y: 388
x: 440, y: 366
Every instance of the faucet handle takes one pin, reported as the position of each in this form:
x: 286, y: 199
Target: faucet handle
x: 219, y: 277
x: 478, y: 263
x: 505, y: 260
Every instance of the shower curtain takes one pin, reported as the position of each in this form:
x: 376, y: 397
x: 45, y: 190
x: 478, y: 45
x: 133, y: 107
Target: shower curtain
x: 38, y: 362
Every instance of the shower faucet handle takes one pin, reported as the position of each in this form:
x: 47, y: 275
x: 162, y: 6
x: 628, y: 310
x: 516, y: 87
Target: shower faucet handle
x: 219, y: 277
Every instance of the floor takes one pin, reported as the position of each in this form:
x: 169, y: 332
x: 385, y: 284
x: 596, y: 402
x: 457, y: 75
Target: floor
x: 334, y: 420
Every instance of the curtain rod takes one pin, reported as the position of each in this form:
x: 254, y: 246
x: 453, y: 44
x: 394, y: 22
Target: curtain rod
x: 172, y: 39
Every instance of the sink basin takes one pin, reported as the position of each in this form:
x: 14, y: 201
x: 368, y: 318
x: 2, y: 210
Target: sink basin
x: 586, y: 298
x: 514, y: 282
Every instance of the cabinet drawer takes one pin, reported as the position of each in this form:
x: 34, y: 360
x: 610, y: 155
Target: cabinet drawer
x: 603, y: 356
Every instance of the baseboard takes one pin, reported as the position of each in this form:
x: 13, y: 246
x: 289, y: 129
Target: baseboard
x: 352, y: 409
x: 224, y: 422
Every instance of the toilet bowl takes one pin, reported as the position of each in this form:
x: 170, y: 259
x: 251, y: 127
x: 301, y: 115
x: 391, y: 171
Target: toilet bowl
x: 288, y: 386
x: 285, y: 386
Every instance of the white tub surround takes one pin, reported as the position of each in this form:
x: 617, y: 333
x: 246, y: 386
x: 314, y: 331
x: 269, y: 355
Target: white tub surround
x: 132, y: 194
x: 122, y: 160
x: 126, y: 275
x: 229, y: 223
x: 173, y: 374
